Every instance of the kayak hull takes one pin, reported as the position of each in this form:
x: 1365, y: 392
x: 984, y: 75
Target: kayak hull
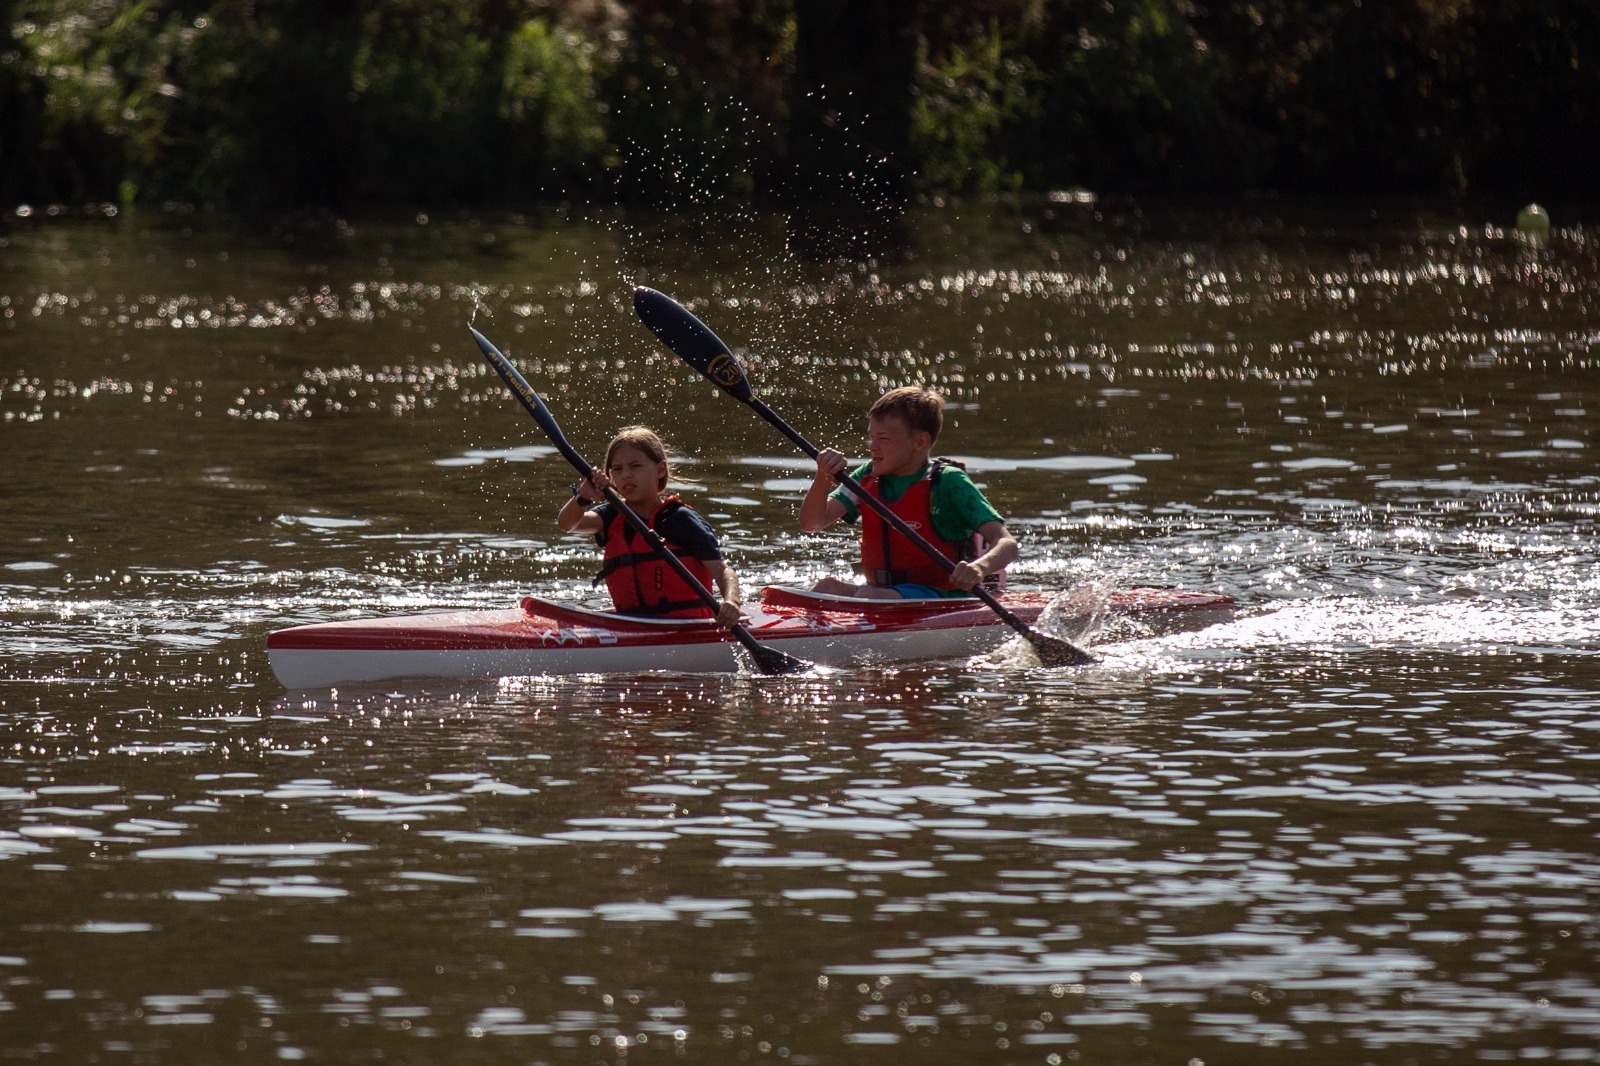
x: 546, y: 637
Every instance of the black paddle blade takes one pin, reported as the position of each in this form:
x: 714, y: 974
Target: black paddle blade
x: 770, y: 660
x: 692, y: 341
x: 1053, y: 651
x: 524, y: 392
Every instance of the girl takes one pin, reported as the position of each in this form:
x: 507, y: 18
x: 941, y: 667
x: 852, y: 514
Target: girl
x: 640, y: 581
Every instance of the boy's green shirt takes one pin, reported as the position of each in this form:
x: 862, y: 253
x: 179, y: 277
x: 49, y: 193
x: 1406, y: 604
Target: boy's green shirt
x: 958, y: 507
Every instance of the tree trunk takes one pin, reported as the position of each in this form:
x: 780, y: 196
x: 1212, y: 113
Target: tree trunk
x: 850, y: 123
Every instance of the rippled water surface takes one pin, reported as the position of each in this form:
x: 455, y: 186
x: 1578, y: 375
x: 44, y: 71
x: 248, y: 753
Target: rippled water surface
x: 1356, y: 824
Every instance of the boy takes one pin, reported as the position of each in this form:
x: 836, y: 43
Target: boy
x: 935, y: 498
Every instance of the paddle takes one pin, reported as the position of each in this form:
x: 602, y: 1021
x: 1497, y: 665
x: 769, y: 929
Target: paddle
x: 768, y: 660
x: 693, y: 342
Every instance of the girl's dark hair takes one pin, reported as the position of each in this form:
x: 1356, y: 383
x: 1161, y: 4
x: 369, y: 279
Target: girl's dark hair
x: 645, y: 440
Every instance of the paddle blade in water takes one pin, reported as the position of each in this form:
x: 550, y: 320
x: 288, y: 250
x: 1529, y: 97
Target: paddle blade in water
x: 1053, y: 651
x: 770, y: 660
x: 692, y: 341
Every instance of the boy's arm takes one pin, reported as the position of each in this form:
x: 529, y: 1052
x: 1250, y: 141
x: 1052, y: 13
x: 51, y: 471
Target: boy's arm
x: 819, y: 509
x: 1002, y: 553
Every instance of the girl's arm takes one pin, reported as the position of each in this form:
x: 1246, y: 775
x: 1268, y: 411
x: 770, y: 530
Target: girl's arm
x: 575, y: 516
x: 728, y: 586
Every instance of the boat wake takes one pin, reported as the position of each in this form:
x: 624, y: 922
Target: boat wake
x: 1341, y: 625
x: 1348, y: 626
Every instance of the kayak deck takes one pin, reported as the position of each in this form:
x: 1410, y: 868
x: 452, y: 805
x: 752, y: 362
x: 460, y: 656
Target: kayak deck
x: 548, y: 637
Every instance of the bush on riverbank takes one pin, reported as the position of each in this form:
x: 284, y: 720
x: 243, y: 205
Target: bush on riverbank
x: 251, y: 104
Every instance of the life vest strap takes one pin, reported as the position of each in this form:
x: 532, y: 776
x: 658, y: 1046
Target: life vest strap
x: 623, y: 560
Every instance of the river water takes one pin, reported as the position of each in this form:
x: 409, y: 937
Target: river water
x: 1356, y: 824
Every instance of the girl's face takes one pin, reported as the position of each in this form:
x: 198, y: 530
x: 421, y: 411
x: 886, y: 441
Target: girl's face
x: 636, y: 477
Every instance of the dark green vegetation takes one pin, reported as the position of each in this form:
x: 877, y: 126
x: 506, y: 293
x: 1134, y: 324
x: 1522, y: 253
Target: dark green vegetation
x: 851, y: 104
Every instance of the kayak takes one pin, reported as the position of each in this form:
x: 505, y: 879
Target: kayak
x: 549, y: 637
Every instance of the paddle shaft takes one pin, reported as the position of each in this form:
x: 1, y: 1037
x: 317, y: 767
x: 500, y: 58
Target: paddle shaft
x: 541, y: 414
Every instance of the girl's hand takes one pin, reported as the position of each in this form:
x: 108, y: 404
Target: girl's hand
x: 728, y: 613
x: 592, y: 489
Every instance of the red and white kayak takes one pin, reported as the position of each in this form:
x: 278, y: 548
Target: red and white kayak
x: 547, y: 637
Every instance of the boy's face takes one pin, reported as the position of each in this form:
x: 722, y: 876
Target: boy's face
x: 897, y: 449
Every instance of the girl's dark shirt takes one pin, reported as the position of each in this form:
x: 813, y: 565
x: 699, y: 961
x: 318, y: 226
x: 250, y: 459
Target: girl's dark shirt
x: 683, y: 528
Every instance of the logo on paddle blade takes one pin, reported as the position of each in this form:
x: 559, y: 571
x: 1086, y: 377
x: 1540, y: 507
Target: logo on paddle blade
x: 724, y: 371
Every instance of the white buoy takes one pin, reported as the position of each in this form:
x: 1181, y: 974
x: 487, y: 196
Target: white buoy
x: 1533, y: 224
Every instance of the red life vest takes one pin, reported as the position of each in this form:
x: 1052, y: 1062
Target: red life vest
x: 888, y: 558
x: 642, y: 582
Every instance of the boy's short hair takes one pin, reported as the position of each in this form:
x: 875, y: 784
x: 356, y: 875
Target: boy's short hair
x: 920, y: 408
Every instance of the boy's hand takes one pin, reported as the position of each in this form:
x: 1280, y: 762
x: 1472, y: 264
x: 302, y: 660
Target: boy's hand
x: 831, y: 462
x: 728, y: 613
x: 965, y: 577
